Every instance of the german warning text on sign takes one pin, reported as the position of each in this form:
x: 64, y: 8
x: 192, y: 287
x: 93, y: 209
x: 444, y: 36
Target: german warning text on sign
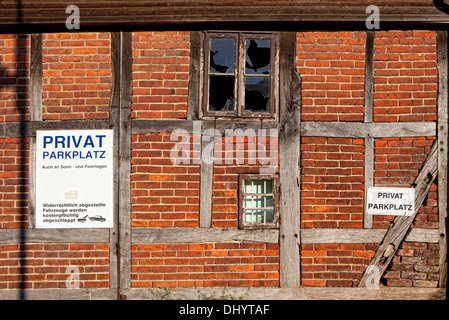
x: 390, y: 201
x: 74, y: 179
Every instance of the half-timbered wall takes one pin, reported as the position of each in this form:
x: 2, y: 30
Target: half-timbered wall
x: 365, y: 110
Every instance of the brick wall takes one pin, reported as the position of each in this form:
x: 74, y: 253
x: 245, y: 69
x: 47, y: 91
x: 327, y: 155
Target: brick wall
x: 227, y: 264
x: 332, y: 182
x: 160, y: 74
x: 162, y: 194
x: 44, y: 266
x: 335, y: 264
x: 14, y: 77
x: 332, y: 66
x: 332, y: 170
x: 76, y: 76
x: 405, y: 76
x: 397, y: 162
x: 14, y: 183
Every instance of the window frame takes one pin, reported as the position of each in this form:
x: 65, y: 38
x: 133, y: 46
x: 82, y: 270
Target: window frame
x: 269, y: 225
x: 239, y: 86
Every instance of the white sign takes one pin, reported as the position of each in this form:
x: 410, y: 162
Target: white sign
x: 74, y: 179
x: 390, y: 201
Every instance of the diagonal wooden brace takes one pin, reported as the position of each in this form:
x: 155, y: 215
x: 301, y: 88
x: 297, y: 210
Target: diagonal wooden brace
x: 401, y: 225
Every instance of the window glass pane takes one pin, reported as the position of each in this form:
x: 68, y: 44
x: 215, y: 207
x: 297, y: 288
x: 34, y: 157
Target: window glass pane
x: 268, y: 186
x: 258, y: 202
x: 268, y: 201
x: 257, y: 94
x: 248, y: 186
x: 222, y: 55
x: 248, y: 216
x: 258, y: 54
x: 258, y: 186
x: 258, y: 216
x: 269, y: 216
x: 221, y: 93
x: 248, y: 202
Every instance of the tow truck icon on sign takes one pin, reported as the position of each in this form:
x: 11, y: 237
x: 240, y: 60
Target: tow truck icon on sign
x: 94, y: 218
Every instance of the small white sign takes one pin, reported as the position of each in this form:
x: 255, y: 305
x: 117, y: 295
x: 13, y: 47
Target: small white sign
x: 74, y: 179
x: 390, y: 201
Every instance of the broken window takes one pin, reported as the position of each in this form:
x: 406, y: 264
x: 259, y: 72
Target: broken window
x: 240, y: 79
x: 258, y: 202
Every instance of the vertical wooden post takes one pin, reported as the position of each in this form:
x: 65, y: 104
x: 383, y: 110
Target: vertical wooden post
x: 206, y: 183
x: 369, y: 114
x: 36, y: 75
x: 289, y: 155
x: 442, y: 136
x: 125, y: 162
x: 120, y: 121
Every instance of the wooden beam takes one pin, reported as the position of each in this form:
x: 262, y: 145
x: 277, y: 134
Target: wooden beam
x: 114, y: 122
x: 369, y: 178
x: 36, y: 75
x: 198, y: 235
x: 194, y: 94
x: 369, y: 76
x: 364, y: 130
x: 124, y: 218
x: 206, y: 182
x: 442, y: 140
x: 308, y: 236
x: 399, y: 228
x: 304, y: 293
x: 289, y: 155
x: 28, y: 129
x: 55, y: 235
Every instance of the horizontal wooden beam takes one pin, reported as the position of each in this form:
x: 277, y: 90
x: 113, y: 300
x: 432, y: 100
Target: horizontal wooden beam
x: 194, y: 235
x: 304, y: 293
x: 54, y: 235
x: 365, y: 130
x: 158, y: 125
x: 28, y: 129
x: 282, y: 13
x: 308, y: 236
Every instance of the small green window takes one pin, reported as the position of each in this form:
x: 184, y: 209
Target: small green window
x: 258, y: 205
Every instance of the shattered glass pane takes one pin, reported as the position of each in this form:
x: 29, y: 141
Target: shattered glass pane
x: 258, y: 57
x: 221, y: 93
x: 222, y: 55
x: 257, y: 94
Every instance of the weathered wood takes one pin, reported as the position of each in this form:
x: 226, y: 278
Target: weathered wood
x: 114, y: 122
x: 289, y: 155
x: 28, y: 129
x: 36, y: 75
x: 364, y: 130
x: 442, y: 140
x: 369, y: 177
x: 206, y: 180
x: 124, y: 195
x: 369, y: 76
x: 282, y: 14
x: 308, y: 236
x: 311, y: 236
x: 55, y: 235
x: 194, y: 98
x: 399, y: 228
x: 304, y: 293
x: 198, y: 235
